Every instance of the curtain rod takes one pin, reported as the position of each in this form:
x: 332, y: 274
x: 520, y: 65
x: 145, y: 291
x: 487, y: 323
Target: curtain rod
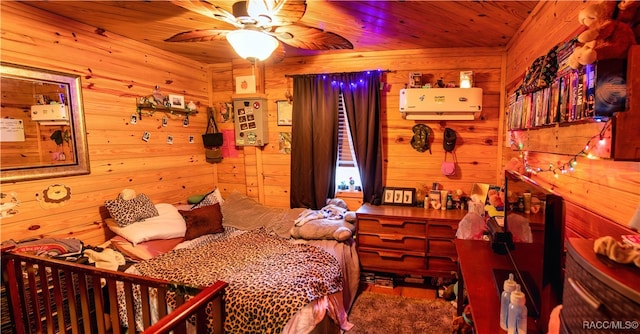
x: 293, y: 75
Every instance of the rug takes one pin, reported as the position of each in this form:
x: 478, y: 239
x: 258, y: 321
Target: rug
x: 374, y: 313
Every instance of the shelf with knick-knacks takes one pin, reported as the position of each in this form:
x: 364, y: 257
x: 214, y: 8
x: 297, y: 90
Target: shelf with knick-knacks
x: 596, y: 103
x: 149, y: 107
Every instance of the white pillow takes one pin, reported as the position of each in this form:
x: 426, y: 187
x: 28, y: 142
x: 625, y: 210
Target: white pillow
x: 168, y: 224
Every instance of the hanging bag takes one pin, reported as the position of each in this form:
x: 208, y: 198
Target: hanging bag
x: 212, y: 140
x: 212, y: 137
x: 448, y: 168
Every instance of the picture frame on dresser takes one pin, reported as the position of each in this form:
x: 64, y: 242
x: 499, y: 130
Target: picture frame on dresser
x: 399, y: 196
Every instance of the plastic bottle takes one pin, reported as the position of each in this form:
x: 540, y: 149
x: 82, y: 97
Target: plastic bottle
x: 505, y: 299
x: 517, y: 321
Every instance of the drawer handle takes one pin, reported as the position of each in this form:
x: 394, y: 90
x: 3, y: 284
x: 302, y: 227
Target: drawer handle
x: 391, y: 237
x: 442, y: 239
x: 398, y: 223
x: 443, y: 225
x: 390, y: 255
x: 451, y: 258
x: 584, y: 293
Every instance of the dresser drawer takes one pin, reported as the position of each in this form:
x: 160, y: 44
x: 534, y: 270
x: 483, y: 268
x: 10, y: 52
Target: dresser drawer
x: 448, y: 264
x: 442, y: 229
x: 587, y: 299
x: 442, y: 247
x: 396, y: 261
x: 392, y: 225
x: 392, y: 241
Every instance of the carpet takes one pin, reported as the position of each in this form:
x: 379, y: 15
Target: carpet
x: 374, y: 313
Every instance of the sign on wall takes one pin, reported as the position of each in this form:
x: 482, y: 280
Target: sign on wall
x: 11, y: 130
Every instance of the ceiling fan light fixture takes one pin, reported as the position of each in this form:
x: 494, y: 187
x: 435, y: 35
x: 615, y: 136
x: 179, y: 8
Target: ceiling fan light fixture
x: 251, y: 44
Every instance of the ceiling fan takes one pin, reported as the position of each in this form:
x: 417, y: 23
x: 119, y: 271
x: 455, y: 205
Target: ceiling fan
x: 261, y: 26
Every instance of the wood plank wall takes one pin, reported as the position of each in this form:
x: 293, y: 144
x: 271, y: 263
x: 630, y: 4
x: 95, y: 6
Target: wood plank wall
x: 609, y: 188
x: 478, y: 142
x: 115, y: 71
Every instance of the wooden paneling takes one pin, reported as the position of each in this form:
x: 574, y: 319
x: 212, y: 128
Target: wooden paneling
x: 608, y: 188
x: 478, y: 141
x: 477, y: 148
x: 368, y: 25
x: 115, y: 71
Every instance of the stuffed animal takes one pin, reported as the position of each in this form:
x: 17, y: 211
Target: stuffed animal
x: 333, y: 221
x: 605, y: 38
x: 128, y: 194
x: 338, y: 229
x: 496, y: 203
x: 464, y: 324
x: 629, y: 13
x: 617, y: 250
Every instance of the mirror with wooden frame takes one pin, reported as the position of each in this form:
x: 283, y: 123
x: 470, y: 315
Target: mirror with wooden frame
x: 42, y: 128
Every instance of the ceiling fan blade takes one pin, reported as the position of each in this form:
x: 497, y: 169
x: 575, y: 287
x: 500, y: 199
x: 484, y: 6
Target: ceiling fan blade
x: 208, y: 9
x: 205, y: 35
x: 310, y: 38
x: 280, y: 12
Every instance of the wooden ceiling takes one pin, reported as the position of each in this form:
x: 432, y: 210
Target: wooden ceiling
x: 368, y: 25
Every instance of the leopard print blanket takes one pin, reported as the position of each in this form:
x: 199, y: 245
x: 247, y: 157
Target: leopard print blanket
x: 269, y: 278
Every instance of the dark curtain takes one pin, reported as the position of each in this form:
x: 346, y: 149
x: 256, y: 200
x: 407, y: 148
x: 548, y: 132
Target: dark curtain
x: 315, y: 134
x: 362, y: 104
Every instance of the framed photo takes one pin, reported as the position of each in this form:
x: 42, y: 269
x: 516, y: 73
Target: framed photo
x: 246, y: 84
x: 388, y: 196
x: 285, y: 111
x: 415, y: 79
x: 226, y: 112
x: 177, y: 101
x: 407, y: 197
x: 399, y: 196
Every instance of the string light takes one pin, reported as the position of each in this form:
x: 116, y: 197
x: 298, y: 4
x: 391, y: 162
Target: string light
x: 353, y: 84
x: 569, y: 166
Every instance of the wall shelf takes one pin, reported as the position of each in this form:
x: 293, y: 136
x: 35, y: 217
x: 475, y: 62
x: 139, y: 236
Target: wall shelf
x: 568, y: 136
x: 149, y: 109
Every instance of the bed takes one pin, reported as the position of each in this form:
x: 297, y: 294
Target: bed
x: 275, y: 283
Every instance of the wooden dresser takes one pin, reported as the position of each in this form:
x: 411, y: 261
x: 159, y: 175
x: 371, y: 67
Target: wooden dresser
x: 407, y: 240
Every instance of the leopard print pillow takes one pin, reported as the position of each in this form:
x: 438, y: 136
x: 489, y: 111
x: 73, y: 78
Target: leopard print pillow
x: 126, y: 212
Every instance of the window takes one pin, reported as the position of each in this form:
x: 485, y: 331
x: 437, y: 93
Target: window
x: 347, y: 167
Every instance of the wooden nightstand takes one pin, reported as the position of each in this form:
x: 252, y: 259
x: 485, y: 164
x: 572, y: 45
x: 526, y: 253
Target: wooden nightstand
x: 407, y: 240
